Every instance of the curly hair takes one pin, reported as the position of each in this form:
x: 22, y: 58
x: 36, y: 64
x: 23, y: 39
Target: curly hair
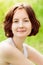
x: 9, y: 16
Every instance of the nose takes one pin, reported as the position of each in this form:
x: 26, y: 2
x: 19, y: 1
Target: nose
x: 21, y: 24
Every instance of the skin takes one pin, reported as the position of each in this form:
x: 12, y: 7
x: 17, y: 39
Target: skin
x: 11, y: 55
x: 22, y: 22
x: 21, y: 28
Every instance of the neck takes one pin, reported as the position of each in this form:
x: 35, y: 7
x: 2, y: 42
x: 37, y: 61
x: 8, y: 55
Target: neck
x: 18, y: 43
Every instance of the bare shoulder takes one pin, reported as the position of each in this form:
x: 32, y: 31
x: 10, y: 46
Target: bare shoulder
x: 6, y: 52
x: 34, y: 55
x: 32, y: 50
x: 5, y: 48
x: 29, y: 48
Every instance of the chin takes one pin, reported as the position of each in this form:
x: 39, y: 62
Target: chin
x: 23, y: 35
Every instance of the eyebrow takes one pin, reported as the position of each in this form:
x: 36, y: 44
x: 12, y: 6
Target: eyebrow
x: 25, y: 18
x: 17, y: 19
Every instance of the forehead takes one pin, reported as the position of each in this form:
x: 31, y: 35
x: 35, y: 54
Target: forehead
x: 20, y: 12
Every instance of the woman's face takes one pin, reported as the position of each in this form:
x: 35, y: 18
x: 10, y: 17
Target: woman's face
x: 21, y: 25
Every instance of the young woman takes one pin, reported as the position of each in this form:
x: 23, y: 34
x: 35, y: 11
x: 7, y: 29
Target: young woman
x: 20, y: 22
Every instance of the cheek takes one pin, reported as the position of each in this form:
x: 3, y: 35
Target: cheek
x: 29, y: 28
x: 13, y: 26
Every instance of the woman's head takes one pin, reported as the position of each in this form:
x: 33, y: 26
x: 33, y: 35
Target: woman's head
x: 10, y: 16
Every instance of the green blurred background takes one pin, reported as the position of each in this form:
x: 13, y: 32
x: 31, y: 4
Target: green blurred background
x: 37, y: 5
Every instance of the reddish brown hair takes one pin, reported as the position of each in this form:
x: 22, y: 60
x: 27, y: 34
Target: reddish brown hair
x: 9, y: 16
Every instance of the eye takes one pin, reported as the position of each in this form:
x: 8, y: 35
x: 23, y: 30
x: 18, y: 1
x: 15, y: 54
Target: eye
x: 26, y: 20
x: 15, y: 21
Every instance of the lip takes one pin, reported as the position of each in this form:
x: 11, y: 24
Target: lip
x: 21, y: 30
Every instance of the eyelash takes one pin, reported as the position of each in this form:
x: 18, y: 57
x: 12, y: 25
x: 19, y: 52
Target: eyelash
x: 26, y: 20
x: 15, y: 21
x: 23, y: 21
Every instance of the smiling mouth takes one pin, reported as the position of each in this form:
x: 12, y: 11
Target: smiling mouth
x: 21, y: 30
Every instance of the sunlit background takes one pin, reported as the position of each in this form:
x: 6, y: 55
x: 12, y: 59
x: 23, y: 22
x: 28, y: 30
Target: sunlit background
x: 37, y: 5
